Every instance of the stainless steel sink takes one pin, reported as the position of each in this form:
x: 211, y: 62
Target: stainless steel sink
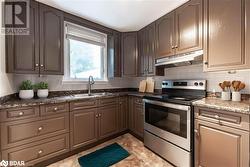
x: 92, y: 95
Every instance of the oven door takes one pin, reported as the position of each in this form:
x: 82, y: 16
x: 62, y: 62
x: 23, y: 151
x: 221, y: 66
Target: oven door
x: 168, y: 121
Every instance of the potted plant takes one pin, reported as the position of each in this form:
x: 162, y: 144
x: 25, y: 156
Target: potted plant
x: 26, y: 90
x: 42, y: 89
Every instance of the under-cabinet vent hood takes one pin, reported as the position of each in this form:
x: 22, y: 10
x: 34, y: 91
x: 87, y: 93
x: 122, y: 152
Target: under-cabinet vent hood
x: 190, y: 58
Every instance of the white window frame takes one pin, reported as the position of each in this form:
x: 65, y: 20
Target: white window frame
x: 83, y: 36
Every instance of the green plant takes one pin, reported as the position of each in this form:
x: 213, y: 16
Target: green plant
x: 42, y: 85
x: 26, y: 85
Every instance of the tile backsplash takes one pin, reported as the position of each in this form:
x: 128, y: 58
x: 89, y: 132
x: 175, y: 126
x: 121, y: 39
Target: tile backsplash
x: 185, y: 72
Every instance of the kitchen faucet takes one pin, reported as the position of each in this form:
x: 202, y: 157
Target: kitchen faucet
x: 91, y: 82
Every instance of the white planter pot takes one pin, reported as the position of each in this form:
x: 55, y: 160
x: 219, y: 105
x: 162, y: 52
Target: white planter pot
x: 26, y: 94
x: 236, y: 96
x: 42, y: 93
x: 225, y: 95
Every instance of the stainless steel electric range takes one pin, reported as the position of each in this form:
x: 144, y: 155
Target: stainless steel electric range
x: 169, y: 120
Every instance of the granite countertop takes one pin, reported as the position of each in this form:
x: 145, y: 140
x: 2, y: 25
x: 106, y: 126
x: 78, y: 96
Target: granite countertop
x: 16, y: 102
x: 242, y: 107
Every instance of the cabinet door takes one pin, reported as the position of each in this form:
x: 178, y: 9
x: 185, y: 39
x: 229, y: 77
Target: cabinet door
x: 225, y: 35
x: 108, y: 120
x: 142, y: 50
x: 117, y: 55
x: 189, y: 27
x: 51, y: 40
x: 83, y: 127
x: 139, y: 119
x: 129, y: 53
x: 22, y: 51
x: 165, y: 36
x: 151, y: 49
x: 220, y: 146
x: 123, y: 114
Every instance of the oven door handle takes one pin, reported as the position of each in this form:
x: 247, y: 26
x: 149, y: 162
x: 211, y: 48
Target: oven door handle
x: 168, y: 105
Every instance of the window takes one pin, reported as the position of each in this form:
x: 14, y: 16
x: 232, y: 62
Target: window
x: 85, y: 53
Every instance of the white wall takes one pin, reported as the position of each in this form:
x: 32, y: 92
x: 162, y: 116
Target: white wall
x: 196, y: 72
x: 6, y: 80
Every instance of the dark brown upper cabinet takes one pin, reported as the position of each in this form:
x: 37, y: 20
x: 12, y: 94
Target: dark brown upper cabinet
x: 129, y: 54
x: 180, y: 31
x: 165, y: 36
x: 146, y: 44
x: 189, y: 27
x: 226, y: 35
x: 22, y: 51
x: 40, y: 52
x: 114, y: 54
x: 51, y: 40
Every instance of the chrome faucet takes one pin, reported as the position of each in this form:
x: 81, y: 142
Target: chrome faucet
x: 91, y: 82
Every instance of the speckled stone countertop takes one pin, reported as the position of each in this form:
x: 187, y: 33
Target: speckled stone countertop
x: 216, y: 103
x: 52, y: 100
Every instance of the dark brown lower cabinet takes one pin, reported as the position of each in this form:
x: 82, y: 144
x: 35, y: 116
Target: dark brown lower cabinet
x: 221, y: 140
x: 83, y: 127
x: 108, y: 120
x: 136, y: 117
x: 123, y: 113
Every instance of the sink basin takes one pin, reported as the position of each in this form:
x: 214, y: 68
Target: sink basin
x: 92, y: 94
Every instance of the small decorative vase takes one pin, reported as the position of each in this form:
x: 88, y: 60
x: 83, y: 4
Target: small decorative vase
x: 26, y: 94
x: 42, y: 93
x: 225, y: 95
x: 236, y: 96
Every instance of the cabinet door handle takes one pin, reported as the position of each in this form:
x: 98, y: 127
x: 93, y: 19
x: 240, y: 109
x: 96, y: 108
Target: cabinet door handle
x: 37, y: 65
x: 100, y: 115
x: 20, y: 113
x: 206, y: 63
x: 196, y: 132
x: 96, y: 115
x: 40, y: 129
x: 176, y: 46
x: 55, y: 109
x: 40, y: 152
x: 41, y: 65
x: 172, y: 47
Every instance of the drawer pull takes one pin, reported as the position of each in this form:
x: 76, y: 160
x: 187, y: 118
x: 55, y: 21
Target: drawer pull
x: 40, y: 152
x: 20, y: 113
x: 217, y: 117
x: 55, y: 109
x: 40, y: 128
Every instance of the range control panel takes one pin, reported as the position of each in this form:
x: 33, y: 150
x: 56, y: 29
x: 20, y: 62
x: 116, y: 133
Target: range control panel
x: 185, y: 84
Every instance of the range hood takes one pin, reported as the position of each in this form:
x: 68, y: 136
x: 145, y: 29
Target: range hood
x: 190, y: 58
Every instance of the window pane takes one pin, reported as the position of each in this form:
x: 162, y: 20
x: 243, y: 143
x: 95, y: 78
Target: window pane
x: 85, y: 60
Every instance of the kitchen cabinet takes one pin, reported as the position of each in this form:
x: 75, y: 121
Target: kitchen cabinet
x: 51, y: 40
x: 129, y: 54
x: 136, y: 116
x: 221, y: 138
x: 108, y: 120
x: 22, y: 51
x: 123, y: 113
x: 226, y: 37
x: 165, y: 35
x: 146, y: 41
x: 114, y: 55
x: 180, y: 31
x: 83, y: 127
x: 40, y: 52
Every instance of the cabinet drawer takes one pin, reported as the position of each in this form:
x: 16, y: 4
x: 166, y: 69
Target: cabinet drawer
x: 107, y: 101
x: 38, y: 151
x: 22, y: 132
x: 226, y: 118
x: 19, y: 113
x: 78, y: 105
x: 54, y: 108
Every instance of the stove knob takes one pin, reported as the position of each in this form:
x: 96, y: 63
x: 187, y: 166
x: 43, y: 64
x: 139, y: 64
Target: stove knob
x: 196, y: 84
x: 201, y: 83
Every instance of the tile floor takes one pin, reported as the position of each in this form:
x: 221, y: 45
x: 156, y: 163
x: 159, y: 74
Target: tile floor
x: 140, y: 156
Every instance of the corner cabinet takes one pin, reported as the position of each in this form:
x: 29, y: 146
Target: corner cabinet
x: 221, y: 138
x: 40, y: 52
x: 129, y: 54
x: 180, y: 31
x: 226, y: 35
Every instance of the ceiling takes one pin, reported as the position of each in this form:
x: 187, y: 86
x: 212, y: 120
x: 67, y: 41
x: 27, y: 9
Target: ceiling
x: 121, y: 15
